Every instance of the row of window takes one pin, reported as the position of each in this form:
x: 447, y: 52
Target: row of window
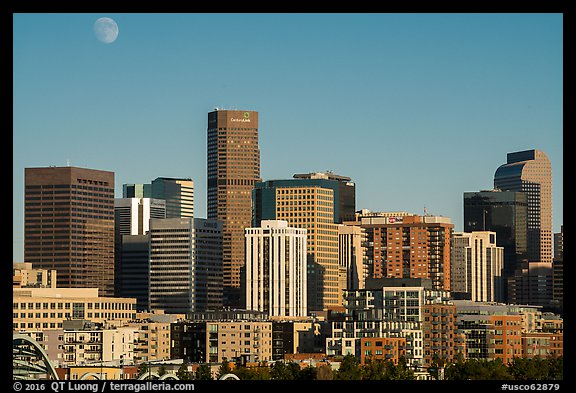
x: 60, y: 306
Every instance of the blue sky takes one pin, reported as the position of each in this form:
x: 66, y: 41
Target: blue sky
x: 416, y: 108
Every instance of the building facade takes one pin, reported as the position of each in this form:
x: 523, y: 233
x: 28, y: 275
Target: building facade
x: 495, y: 330
x: 352, y: 256
x: 69, y: 225
x: 132, y: 215
x: 344, y: 193
x: 185, y: 265
x: 476, y: 266
x: 219, y: 336
x: 506, y: 214
x: 47, y: 308
x: 25, y: 276
x: 402, y: 245
x: 275, y: 269
x: 386, y: 308
x: 178, y: 194
x: 131, y: 227
x: 530, y: 171
x: 137, y: 190
x: 305, y: 204
x: 558, y: 271
x: 233, y: 168
x: 532, y: 284
x: 133, y: 270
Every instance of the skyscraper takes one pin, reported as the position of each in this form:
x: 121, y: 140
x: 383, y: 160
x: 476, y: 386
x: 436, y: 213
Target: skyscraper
x: 185, y: 265
x: 69, y: 225
x: 529, y: 171
x: 308, y: 204
x: 178, y: 194
x: 132, y: 223
x: 233, y: 168
x: 132, y: 215
x: 402, y: 245
x: 344, y: 193
x: 137, y: 190
x: 476, y: 265
x: 505, y: 213
x: 276, y: 269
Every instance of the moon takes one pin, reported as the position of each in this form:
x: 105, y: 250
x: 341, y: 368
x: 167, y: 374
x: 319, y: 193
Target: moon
x: 106, y: 30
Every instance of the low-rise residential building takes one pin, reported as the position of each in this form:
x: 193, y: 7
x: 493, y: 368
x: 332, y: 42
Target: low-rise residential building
x: 220, y: 336
x: 382, y: 348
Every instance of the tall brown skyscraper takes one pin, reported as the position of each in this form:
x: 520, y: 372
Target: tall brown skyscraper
x: 69, y: 225
x: 233, y: 169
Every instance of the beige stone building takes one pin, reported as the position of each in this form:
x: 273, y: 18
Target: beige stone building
x: 47, y: 308
x: 25, y: 276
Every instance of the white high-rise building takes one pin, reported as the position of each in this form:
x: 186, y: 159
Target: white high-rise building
x: 476, y: 266
x: 275, y: 270
x: 132, y: 215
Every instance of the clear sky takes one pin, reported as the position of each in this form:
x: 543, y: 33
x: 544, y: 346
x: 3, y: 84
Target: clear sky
x: 416, y: 109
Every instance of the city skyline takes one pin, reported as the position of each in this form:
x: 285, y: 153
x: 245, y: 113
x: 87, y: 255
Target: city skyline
x: 416, y: 109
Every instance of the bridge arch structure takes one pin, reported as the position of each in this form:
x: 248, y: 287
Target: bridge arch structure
x: 29, y: 360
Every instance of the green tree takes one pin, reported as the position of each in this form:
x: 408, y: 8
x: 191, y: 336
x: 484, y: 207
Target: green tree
x: 374, y: 369
x: 142, y: 369
x: 498, y: 370
x: 349, y: 369
x: 324, y: 372
x: 308, y: 373
x: 281, y: 371
x: 203, y: 372
x: 243, y: 373
x: 224, y: 369
x: 457, y: 370
x: 529, y: 368
x: 400, y: 371
x: 295, y: 369
x: 556, y: 368
x: 252, y: 373
x: 261, y: 372
x: 162, y: 370
x: 183, y: 372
